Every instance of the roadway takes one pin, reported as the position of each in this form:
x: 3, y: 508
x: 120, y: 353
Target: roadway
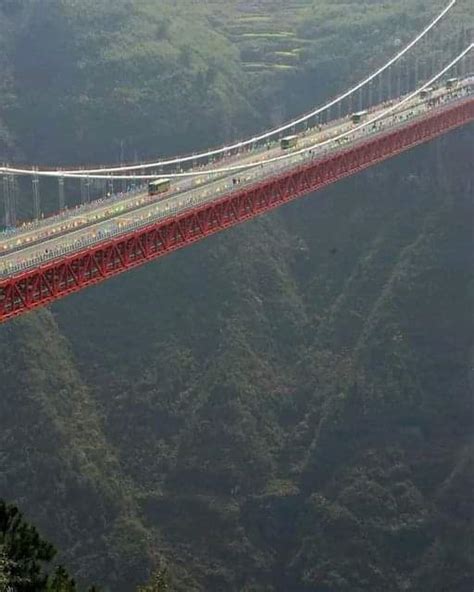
x: 34, y: 244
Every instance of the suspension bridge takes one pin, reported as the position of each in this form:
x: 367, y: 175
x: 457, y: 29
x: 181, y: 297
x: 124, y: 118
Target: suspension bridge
x: 406, y: 102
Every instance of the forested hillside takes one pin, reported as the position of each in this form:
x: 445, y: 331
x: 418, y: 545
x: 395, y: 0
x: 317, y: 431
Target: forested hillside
x: 286, y: 406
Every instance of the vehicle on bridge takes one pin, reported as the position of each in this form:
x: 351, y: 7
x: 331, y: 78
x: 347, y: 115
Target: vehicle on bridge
x: 452, y: 82
x: 359, y: 116
x: 159, y: 186
x: 288, y: 142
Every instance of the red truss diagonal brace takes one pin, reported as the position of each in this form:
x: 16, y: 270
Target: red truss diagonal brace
x: 60, y: 277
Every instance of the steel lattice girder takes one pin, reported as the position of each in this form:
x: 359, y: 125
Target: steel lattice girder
x: 54, y: 280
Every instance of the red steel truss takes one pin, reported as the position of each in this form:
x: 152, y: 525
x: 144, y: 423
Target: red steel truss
x: 56, y: 279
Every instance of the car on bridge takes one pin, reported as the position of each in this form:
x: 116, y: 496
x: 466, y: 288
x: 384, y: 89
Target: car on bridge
x: 359, y: 116
x: 159, y: 186
x: 288, y: 142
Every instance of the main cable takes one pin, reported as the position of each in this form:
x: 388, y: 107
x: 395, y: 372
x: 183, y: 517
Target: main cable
x: 287, y: 156
x: 88, y: 173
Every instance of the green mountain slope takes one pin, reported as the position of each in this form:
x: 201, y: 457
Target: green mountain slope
x: 286, y: 406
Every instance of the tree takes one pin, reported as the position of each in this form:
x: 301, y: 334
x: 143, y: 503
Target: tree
x: 25, y: 550
x: 159, y: 582
x: 23, y: 555
x: 61, y: 582
x: 4, y: 571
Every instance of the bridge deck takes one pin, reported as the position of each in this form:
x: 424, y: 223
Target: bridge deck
x: 66, y: 275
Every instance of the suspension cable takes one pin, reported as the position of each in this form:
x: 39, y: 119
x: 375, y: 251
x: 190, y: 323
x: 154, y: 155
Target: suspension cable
x: 250, y: 165
x: 253, y: 140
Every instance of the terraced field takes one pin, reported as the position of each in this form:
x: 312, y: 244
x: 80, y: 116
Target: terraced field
x: 265, y: 31
x: 288, y: 35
